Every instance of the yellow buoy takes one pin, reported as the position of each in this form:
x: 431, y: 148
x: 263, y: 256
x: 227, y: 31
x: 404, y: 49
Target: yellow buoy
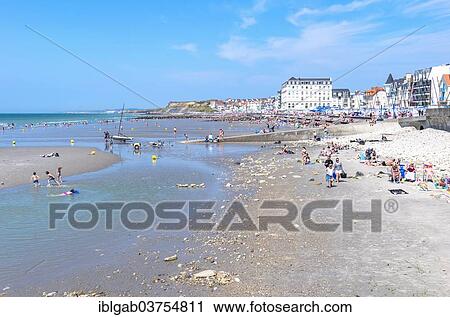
x: 154, y: 157
x: 72, y: 141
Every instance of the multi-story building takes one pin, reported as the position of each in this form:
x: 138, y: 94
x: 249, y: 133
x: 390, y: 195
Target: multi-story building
x: 421, y: 88
x: 341, y: 99
x: 376, y: 99
x: 300, y: 94
x: 399, y: 91
x: 418, y: 90
x: 357, y: 101
x: 444, y: 99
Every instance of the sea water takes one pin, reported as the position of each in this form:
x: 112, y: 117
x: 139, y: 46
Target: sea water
x: 31, y: 253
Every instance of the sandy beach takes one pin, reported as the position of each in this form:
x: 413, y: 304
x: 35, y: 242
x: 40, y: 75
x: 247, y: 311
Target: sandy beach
x: 17, y: 164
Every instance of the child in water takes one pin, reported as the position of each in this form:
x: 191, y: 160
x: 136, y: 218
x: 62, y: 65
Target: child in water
x: 51, y: 179
x: 35, y: 179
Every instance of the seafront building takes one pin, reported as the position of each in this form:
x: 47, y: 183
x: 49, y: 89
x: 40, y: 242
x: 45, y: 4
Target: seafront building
x: 300, y: 94
x: 341, y: 99
x: 418, y: 90
x: 444, y: 90
x: 357, y: 100
x: 376, y: 99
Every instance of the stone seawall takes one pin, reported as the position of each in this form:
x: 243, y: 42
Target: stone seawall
x: 438, y: 118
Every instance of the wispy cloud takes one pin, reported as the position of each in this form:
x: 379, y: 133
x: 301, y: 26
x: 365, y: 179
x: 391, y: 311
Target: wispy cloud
x: 332, y: 9
x: 247, y: 22
x: 430, y: 7
x: 248, y: 16
x: 312, y: 40
x: 187, y: 47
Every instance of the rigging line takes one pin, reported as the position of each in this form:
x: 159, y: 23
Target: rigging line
x: 90, y: 65
x: 380, y: 52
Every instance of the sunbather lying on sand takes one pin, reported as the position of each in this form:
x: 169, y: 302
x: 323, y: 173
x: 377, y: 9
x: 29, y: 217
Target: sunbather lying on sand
x: 53, y: 154
x: 285, y: 150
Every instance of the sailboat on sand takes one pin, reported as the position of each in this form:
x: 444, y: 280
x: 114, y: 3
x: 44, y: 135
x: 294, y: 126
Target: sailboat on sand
x: 120, y: 137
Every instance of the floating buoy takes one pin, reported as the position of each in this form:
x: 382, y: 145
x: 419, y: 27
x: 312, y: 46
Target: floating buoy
x: 137, y: 146
x: 14, y: 142
x: 72, y: 141
x: 154, y: 157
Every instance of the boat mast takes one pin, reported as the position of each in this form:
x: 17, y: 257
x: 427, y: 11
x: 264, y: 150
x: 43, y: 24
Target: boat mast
x: 121, y: 117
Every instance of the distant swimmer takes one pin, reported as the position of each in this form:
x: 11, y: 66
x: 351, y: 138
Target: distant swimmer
x: 68, y: 193
x: 35, y: 179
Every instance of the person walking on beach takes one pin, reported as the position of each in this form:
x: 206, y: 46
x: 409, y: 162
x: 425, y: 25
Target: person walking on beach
x: 329, y: 175
x: 51, y: 179
x: 59, y: 175
x: 338, y: 170
x: 305, y: 157
x: 329, y: 171
x: 35, y: 179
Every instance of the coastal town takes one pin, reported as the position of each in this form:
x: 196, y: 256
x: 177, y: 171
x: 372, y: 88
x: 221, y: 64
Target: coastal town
x: 408, y: 95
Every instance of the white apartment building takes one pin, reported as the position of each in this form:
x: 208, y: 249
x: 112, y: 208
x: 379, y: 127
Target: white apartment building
x: 303, y: 94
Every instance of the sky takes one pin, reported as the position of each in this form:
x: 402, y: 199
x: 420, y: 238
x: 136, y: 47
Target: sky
x: 205, y: 49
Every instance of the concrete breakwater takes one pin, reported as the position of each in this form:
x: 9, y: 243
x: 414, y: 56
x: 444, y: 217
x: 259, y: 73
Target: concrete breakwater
x: 306, y: 134
x: 438, y: 118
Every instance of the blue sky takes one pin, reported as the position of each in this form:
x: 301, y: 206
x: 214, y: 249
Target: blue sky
x: 183, y: 50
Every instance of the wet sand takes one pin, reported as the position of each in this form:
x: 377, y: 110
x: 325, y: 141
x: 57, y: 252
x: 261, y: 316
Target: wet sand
x: 17, y: 164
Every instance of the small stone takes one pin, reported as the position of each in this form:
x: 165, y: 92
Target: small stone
x: 171, y: 258
x: 205, y: 274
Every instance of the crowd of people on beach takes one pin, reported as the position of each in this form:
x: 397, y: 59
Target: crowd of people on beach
x: 400, y: 172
